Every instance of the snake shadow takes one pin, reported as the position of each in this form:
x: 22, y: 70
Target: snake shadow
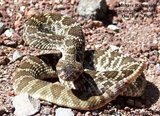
x: 149, y: 97
x: 151, y: 94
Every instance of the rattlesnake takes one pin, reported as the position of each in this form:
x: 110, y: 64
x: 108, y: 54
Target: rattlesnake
x: 88, y: 79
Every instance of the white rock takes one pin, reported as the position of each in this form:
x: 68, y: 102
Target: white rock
x: 88, y: 114
x: 95, y: 113
x: 25, y: 105
x: 97, y: 46
x: 2, y: 2
x: 155, y: 41
x: 113, y: 27
x: 9, y: 32
x: 92, y: 8
x: 22, y: 8
x: 113, y: 47
x: 158, y: 67
x: 16, y: 55
x: 62, y: 111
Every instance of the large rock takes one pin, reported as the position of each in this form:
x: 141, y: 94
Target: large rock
x: 64, y: 111
x: 25, y: 105
x: 92, y: 8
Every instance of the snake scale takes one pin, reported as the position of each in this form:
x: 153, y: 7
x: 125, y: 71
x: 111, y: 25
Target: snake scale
x: 83, y: 80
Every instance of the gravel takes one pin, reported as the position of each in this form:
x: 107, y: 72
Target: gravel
x: 138, y: 37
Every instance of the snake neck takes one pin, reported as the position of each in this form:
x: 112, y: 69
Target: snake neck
x: 85, y: 83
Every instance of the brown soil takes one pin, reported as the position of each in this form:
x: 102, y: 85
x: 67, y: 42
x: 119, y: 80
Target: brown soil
x: 138, y: 37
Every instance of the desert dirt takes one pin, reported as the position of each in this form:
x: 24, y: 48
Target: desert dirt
x: 138, y: 37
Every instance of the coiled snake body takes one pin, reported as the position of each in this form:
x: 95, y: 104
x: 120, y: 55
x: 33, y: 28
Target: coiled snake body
x: 88, y: 79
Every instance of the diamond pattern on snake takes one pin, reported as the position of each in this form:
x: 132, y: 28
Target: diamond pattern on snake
x: 82, y: 79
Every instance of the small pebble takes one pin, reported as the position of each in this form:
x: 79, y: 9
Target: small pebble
x: 154, y: 46
x: 113, y: 47
x: 112, y: 110
x: 10, y: 43
x: 9, y: 12
x: 113, y: 27
x: 57, y: 1
x: 95, y: 113
x: 92, y: 8
x: 79, y: 114
x: 98, y: 23
x: 16, y: 55
x: 9, y: 32
x: 60, y: 7
x: 97, y: 46
x: 47, y: 110
x: 73, y: 1
x: 22, y: 8
x: 25, y: 105
x: 158, y: 9
x: 88, y: 114
x: 30, y: 13
x: 62, y: 111
x: 2, y: 2
x: 127, y: 109
x: 149, y: 14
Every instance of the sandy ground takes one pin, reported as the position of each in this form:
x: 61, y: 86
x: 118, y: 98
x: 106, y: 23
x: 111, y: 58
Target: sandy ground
x: 138, y: 37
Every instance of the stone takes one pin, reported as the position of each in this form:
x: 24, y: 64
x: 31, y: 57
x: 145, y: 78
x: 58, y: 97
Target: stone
x: 2, y: 2
x: 113, y: 27
x: 88, y: 114
x: 58, y: 1
x: 47, y: 110
x: 60, y: 7
x: 16, y: 55
x: 95, y: 113
x: 79, y: 114
x: 22, y: 8
x: 112, y: 3
x: 97, y: 46
x: 114, y: 48
x: 30, y: 12
x: 9, y: 32
x: 127, y: 108
x: 25, y: 105
x: 95, y: 9
x: 10, y: 43
x: 61, y: 111
x: 158, y: 9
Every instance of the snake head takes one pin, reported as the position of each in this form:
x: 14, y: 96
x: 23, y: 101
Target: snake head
x: 69, y: 71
